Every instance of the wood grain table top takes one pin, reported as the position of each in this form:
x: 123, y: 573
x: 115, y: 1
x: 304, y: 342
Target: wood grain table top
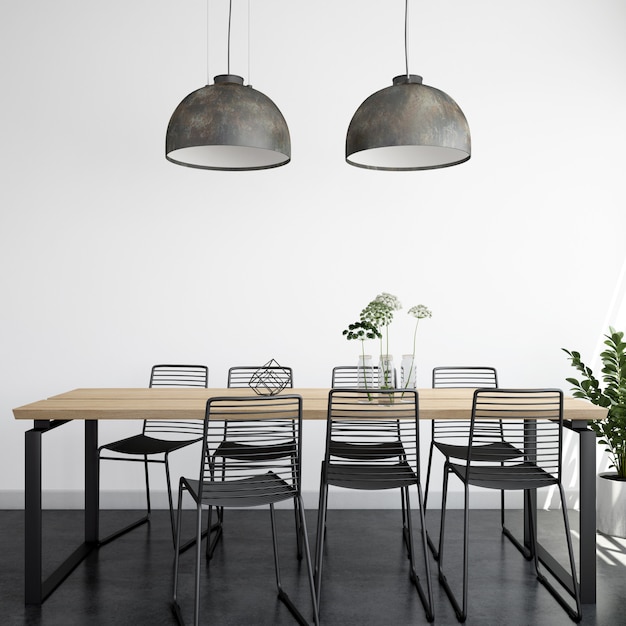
x: 189, y: 403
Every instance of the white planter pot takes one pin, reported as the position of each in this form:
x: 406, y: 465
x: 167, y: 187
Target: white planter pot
x: 611, y: 505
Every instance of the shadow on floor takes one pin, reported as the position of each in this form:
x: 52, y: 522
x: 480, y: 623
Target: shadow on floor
x: 365, y: 578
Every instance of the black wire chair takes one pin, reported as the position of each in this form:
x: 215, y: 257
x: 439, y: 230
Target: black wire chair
x: 240, y: 377
x: 455, y: 377
x: 364, y: 377
x: 251, y: 456
x: 159, y: 438
x: 531, y: 421
x: 372, y: 443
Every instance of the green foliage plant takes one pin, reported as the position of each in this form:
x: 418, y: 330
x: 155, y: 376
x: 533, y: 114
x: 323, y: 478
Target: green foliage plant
x: 362, y: 331
x: 611, y: 431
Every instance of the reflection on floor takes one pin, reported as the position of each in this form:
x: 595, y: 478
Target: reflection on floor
x: 365, y: 573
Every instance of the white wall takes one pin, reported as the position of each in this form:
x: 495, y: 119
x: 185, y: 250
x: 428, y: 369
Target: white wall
x: 113, y: 259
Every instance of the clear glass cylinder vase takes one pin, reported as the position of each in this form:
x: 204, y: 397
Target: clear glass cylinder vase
x: 386, y: 372
x: 365, y: 371
x: 408, y: 372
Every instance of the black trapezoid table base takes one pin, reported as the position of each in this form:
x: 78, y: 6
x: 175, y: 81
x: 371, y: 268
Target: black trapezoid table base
x: 37, y: 588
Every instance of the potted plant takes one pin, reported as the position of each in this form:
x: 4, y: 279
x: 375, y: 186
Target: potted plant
x: 611, y: 431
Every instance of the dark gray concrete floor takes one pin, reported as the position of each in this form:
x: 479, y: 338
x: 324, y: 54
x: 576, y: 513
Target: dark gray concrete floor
x: 365, y: 578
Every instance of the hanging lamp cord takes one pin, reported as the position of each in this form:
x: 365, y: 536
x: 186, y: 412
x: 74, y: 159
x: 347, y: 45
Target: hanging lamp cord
x: 208, y: 22
x: 230, y: 13
x: 249, y: 72
x: 406, y: 36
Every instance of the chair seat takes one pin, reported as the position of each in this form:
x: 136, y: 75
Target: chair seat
x: 514, y: 477
x: 369, y: 477
x: 252, y: 491
x: 373, y: 451
x: 242, y: 452
x: 142, y: 444
x: 501, y: 451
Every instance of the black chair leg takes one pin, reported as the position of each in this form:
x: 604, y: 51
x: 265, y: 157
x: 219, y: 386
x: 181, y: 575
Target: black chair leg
x: 426, y: 598
x: 216, y: 530
x: 213, y: 529
x: 275, y: 546
x: 442, y: 521
x: 431, y: 543
x: 196, y: 606
x: 463, y: 614
x: 299, y: 542
x: 461, y: 611
x: 309, y: 563
x: 321, y: 535
x: 405, y: 519
x: 147, y: 473
x: 574, y: 591
x: 282, y: 595
x: 175, y: 606
x: 169, y: 499
x: 139, y: 522
x: 526, y: 552
x: 173, y: 521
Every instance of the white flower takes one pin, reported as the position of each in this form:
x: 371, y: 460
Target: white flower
x: 389, y: 300
x: 420, y: 311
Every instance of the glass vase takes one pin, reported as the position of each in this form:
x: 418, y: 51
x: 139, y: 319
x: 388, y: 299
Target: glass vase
x: 364, y: 372
x: 386, y: 372
x: 408, y: 372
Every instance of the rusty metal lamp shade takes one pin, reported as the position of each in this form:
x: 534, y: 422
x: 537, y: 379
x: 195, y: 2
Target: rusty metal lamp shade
x: 228, y: 126
x: 408, y: 126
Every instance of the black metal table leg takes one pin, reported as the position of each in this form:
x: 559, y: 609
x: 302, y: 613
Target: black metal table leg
x: 530, y: 497
x: 92, y: 490
x: 36, y: 589
x: 32, y: 518
x: 587, y: 477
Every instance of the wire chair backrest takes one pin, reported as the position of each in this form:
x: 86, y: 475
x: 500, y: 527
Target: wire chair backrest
x: 254, y: 439
x: 359, y: 376
x: 373, y: 428
x: 529, y: 420
x: 177, y: 376
x: 459, y: 377
x: 241, y: 375
x: 355, y: 376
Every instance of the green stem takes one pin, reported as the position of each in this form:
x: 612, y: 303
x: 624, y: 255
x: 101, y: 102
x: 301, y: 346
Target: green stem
x: 365, y: 370
x: 408, y: 378
x: 386, y: 372
x: 380, y: 358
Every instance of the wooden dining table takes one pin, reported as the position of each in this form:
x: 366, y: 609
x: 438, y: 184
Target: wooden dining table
x: 95, y: 404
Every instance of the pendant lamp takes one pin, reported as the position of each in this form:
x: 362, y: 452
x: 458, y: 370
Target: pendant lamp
x: 228, y: 126
x: 408, y: 126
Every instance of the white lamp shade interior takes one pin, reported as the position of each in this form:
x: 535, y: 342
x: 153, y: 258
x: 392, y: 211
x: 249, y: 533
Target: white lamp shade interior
x: 227, y: 157
x: 407, y: 157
